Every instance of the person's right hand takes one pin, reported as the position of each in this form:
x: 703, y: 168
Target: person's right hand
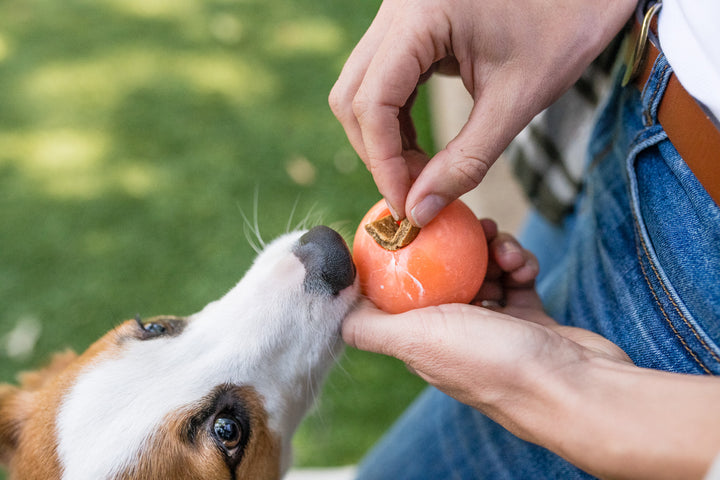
x: 515, y: 58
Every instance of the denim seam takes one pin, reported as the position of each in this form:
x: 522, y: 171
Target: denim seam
x: 639, y: 145
x: 657, y: 299
x: 677, y: 308
x: 651, y: 111
x: 684, y: 318
x: 660, y: 75
x: 650, y: 99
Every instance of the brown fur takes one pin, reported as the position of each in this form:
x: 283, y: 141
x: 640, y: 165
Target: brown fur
x: 171, y: 456
x: 27, y: 429
x: 262, y: 455
x: 27, y: 414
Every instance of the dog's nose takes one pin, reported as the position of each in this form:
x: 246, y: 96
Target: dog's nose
x: 328, y: 263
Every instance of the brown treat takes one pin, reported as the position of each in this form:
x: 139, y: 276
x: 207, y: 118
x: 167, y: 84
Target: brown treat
x: 391, y: 236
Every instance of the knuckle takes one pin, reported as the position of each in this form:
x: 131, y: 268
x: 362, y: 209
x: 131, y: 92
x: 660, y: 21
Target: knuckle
x: 360, y: 105
x: 421, y: 341
x: 469, y: 170
x: 533, y: 265
x: 428, y: 9
x: 432, y: 330
x: 337, y: 99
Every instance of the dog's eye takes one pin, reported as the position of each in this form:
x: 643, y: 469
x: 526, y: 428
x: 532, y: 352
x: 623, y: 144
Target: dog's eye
x: 227, y: 430
x: 154, y: 328
x: 159, y: 326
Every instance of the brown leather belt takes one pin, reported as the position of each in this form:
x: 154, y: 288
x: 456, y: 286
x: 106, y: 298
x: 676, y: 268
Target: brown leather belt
x: 690, y: 130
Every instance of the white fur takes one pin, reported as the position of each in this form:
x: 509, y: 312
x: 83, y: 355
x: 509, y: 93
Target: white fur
x: 267, y: 332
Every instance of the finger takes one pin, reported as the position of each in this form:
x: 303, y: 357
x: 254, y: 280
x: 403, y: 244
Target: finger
x: 490, y: 228
x: 408, y: 133
x: 389, y: 82
x: 415, y: 161
x: 345, y: 88
x: 497, y: 290
x: 448, y: 66
x: 369, y: 328
x: 507, y: 252
x: 490, y: 291
x: 523, y: 277
x: 527, y: 298
x: 418, y: 338
x: 411, y: 336
x: 494, y: 121
x: 493, y: 272
x: 519, y: 264
x: 511, y: 256
x: 414, y: 156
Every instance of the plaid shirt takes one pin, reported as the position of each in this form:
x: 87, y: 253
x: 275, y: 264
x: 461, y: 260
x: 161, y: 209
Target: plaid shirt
x: 548, y: 156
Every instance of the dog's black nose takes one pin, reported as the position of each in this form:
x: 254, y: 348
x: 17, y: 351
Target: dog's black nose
x: 328, y: 263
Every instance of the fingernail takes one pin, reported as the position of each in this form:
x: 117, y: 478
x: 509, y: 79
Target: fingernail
x: 426, y: 209
x: 509, y: 247
x: 392, y: 211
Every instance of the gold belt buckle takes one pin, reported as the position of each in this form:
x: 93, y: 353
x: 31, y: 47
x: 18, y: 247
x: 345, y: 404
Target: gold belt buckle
x: 636, y: 55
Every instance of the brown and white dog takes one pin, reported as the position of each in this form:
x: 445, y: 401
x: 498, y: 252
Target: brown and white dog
x: 216, y: 395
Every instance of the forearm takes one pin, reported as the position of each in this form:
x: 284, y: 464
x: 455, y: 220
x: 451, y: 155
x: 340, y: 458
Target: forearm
x: 616, y: 420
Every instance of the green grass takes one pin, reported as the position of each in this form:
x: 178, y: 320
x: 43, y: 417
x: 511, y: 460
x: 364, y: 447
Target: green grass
x: 134, y: 133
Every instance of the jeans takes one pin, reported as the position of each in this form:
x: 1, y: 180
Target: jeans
x: 638, y: 262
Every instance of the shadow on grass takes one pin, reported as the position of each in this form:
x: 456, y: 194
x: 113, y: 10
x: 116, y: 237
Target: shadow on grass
x: 133, y: 133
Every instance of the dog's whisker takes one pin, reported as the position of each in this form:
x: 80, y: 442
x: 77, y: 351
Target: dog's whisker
x: 257, y: 243
x: 292, y: 214
x: 344, y: 228
x: 251, y: 241
x: 263, y: 348
x: 314, y: 394
x: 311, y: 381
x: 307, y: 220
x: 246, y: 220
x: 336, y: 358
x: 256, y: 225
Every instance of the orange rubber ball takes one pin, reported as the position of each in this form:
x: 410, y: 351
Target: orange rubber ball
x: 445, y: 263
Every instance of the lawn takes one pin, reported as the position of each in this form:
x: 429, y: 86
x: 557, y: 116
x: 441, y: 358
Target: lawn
x: 134, y: 134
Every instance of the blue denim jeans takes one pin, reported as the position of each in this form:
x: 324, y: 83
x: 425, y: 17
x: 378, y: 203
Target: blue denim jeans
x: 639, y: 263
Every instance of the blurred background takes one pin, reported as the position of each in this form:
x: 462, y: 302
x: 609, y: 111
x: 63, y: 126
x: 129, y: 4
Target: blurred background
x: 134, y: 134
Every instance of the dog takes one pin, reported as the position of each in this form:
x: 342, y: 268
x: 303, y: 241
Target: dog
x: 216, y: 395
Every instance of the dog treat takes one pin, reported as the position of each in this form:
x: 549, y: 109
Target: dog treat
x: 389, y: 234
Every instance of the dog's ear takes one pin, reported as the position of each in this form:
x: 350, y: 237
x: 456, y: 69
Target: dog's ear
x: 37, y: 379
x: 12, y: 419
x: 16, y: 403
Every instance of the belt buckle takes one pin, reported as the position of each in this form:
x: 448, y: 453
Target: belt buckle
x: 639, y: 39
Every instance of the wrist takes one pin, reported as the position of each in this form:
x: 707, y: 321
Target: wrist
x: 540, y: 397
x: 567, y: 405
x: 615, y: 420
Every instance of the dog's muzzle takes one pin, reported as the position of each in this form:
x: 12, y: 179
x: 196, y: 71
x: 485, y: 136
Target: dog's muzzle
x: 328, y: 264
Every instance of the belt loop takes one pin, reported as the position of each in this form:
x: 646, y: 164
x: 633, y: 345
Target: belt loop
x: 654, y: 89
x: 636, y: 55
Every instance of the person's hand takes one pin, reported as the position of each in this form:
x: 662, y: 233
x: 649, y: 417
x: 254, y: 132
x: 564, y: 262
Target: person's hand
x: 509, y: 284
x: 514, y: 57
x: 489, y: 358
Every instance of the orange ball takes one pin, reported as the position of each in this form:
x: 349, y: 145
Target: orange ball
x: 445, y: 263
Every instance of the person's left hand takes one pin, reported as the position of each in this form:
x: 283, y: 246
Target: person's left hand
x: 489, y: 358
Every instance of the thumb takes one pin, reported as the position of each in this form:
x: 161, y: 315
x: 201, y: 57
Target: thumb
x: 415, y: 336
x: 463, y: 163
x: 406, y: 336
x: 371, y: 329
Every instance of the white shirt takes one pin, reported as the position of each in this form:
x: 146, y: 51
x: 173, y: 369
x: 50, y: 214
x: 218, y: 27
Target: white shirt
x: 714, y: 472
x: 689, y: 32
